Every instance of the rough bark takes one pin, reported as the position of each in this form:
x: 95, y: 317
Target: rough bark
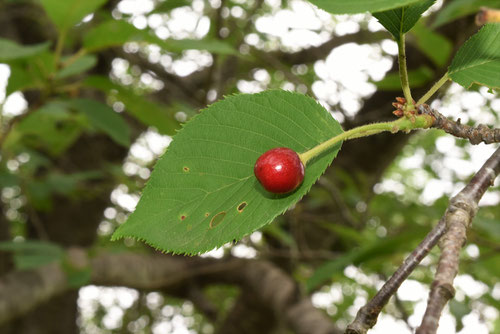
x: 273, y: 289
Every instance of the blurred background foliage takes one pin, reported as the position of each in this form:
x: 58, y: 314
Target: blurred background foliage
x: 92, y: 91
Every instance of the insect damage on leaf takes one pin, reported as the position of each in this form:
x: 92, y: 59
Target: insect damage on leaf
x: 217, y: 219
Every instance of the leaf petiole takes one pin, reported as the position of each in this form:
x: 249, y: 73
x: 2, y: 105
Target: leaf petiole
x: 433, y: 89
x: 402, y: 124
x: 403, y: 72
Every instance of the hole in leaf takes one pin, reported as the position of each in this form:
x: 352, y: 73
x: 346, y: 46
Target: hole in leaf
x: 185, y: 169
x: 241, y: 206
x: 217, y: 219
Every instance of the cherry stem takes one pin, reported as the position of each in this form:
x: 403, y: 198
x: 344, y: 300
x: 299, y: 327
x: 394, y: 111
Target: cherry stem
x: 402, y: 124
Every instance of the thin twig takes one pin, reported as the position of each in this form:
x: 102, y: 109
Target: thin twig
x: 476, y: 135
x: 459, y: 215
x: 339, y: 201
x: 367, y: 315
x: 404, y: 314
x: 433, y: 89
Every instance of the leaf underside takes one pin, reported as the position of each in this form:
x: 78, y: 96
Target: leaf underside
x: 203, y: 193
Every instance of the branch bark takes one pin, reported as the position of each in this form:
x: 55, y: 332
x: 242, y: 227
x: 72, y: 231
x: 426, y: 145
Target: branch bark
x: 459, y: 215
x: 475, y: 134
x: 21, y: 291
x: 452, y: 225
x: 367, y: 316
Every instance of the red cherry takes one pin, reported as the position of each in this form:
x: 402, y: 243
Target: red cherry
x: 279, y: 170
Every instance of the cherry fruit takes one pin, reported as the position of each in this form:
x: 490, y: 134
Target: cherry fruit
x: 279, y: 170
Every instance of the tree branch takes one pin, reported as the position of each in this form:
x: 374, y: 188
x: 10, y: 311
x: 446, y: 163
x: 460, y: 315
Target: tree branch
x: 459, y: 215
x: 476, y: 135
x: 21, y: 291
x: 367, y: 316
x: 468, y: 198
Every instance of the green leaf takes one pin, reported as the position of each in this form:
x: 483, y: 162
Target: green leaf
x: 459, y: 8
x: 10, y: 50
x: 359, y: 6
x: 51, y: 127
x: 435, y: 46
x: 32, y: 72
x: 387, y: 246
x: 400, y: 20
x: 478, y: 60
x: 113, y: 33
x: 487, y: 227
x: 67, y: 13
x: 208, y: 44
x: 32, y: 254
x: 147, y: 112
x: 21, y: 79
x: 168, y: 5
x: 118, y: 32
x: 81, y: 65
x: 104, y: 118
x: 78, y: 278
x: 40, y: 191
x: 203, y: 193
x: 7, y: 178
x: 417, y: 78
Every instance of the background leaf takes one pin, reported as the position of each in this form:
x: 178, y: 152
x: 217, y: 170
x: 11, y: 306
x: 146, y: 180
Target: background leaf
x: 21, y: 78
x: 104, y: 118
x: 478, y: 60
x: 67, y: 13
x: 208, y: 44
x: 113, y: 33
x: 117, y: 32
x: 32, y: 253
x: 82, y: 64
x: 148, y: 112
x: 10, y: 50
x: 51, y: 128
x: 417, y: 78
x: 168, y: 5
x: 400, y: 20
x: 359, y: 6
x: 435, y: 46
x: 372, y: 251
x: 191, y: 202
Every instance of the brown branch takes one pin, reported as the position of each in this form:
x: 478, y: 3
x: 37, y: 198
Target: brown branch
x: 367, y: 316
x: 21, y: 291
x: 459, y: 215
x: 475, y: 135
